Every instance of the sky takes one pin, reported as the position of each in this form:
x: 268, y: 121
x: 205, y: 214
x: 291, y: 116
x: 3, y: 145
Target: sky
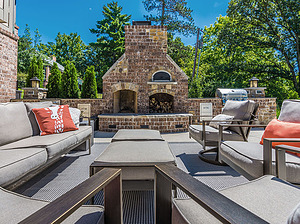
x: 70, y: 16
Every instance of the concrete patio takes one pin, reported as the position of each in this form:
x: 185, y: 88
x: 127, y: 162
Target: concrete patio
x: 138, y: 205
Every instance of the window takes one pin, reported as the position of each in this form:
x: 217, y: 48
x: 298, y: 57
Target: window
x: 259, y: 92
x: 161, y: 76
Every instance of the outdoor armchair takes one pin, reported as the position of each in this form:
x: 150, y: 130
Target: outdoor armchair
x: 264, y: 200
x: 253, y: 160
x: 235, y: 112
x: 16, y: 208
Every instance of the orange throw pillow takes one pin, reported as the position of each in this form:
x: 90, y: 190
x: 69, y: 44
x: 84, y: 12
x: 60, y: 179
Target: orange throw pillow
x: 281, y: 129
x: 54, y: 120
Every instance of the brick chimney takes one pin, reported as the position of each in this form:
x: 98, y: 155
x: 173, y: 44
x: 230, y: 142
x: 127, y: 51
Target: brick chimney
x: 145, y: 41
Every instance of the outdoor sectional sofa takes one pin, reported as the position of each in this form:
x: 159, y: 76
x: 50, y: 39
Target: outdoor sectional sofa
x: 23, y: 153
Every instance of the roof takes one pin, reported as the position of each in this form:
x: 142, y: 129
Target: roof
x: 51, y: 62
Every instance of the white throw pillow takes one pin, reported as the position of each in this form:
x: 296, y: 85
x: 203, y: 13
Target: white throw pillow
x: 221, y: 119
x: 294, y: 218
x: 75, y: 114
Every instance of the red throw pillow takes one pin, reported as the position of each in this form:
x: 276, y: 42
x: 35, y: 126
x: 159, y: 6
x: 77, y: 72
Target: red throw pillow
x: 53, y: 120
x: 281, y: 129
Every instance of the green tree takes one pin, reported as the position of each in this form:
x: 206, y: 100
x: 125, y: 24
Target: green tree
x: 40, y: 76
x: 175, y: 14
x: 110, y: 44
x: 67, y: 48
x: 69, y: 82
x: 24, y: 50
x: 273, y: 26
x: 54, y: 83
x: 229, y: 62
x: 33, y: 71
x: 89, y: 86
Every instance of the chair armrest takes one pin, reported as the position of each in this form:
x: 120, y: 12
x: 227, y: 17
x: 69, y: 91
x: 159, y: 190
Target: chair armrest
x: 215, y: 203
x: 235, y: 120
x: 89, y: 120
x: 59, y: 209
x: 280, y: 159
x: 267, y: 151
x: 244, y: 125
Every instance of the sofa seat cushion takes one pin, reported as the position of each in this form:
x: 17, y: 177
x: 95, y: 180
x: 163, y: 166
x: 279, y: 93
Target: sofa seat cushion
x: 14, y: 208
x: 14, y: 122
x: 212, y: 133
x: 249, y: 156
x: 55, y: 144
x: 268, y: 197
x: 82, y: 132
x: 137, y: 135
x: 15, y: 163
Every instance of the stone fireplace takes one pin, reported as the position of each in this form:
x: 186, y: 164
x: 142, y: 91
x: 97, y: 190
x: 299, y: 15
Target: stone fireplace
x: 145, y: 88
x: 145, y: 79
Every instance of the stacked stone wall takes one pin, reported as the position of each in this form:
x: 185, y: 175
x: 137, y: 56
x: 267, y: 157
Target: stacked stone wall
x: 266, y: 109
x: 165, y: 123
x: 8, y: 65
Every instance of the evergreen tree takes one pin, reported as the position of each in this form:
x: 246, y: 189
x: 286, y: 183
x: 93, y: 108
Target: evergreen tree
x: 25, y: 49
x: 40, y: 71
x: 89, y: 86
x: 69, y: 82
x: 54, y: 83
x: 33, y: 71
x: 111, y: 42
x: 171, y: 13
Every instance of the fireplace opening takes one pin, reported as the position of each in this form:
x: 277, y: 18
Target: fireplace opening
x: 161, y: 103
x: 125, y: 101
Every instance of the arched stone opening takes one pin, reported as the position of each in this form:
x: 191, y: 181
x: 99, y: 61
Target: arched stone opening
x: 125, y: 101
x: 161, y: 76
x: 161, y: 103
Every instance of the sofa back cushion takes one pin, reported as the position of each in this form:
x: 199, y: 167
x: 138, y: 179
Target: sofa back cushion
x: 290, y: 111
x: 240, y: 110
x: 29, y: 107
x: 14, y: 122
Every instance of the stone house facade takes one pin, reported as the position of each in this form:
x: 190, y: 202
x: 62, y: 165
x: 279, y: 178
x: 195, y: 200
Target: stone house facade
x: 8, y: 50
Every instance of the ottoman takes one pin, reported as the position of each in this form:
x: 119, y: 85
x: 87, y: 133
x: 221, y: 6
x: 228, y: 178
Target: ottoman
x: 135, y: 158
x: 137, y: 135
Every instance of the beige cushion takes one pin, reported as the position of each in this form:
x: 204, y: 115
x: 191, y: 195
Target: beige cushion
x: 134, y: 155
x: 137, y: 135
x: 294, y: 218
x: 249, y: 156
x: 75, y: 115
x: 82, y: 132
x: 212, y: 133
x: 220, y: 119
x: 129, y: 152
x: 290, y: 111
x: 55, y: 144
x: 241, y: 110
x: 14, y: 208
x: 29, y: 107
x: 14, y: 122
x: 14, y: 163
x: 268, y: 197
